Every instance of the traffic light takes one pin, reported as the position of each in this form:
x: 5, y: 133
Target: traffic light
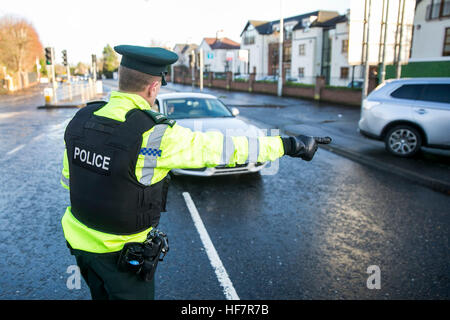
x: 49, y: 56
x: 94, y: 59
x: 64, y: 56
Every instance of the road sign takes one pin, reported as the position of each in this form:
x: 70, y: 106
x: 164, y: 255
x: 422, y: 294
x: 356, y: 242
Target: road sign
x: 243, y: 55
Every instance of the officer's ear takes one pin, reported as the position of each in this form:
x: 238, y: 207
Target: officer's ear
x: 152, y: 89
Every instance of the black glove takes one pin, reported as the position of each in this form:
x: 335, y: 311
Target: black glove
x: 303, y: 146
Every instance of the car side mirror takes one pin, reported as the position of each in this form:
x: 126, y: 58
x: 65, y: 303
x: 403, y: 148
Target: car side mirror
x: 234, y: 111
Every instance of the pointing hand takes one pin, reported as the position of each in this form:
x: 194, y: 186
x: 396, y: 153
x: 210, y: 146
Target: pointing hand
x: 303, y: 146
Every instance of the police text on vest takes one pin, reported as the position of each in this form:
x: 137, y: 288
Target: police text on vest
x: 91, y: 158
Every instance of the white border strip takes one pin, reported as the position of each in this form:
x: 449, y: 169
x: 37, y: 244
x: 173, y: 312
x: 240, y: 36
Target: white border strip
x: 216, y: 263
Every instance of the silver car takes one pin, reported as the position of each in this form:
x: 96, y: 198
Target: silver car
x: 407, y: 114
x: 204, y: 112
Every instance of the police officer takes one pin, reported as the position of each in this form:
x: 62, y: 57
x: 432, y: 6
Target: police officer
x: 116, y: 164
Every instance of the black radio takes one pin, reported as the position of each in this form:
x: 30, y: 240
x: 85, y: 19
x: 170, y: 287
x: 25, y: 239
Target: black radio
x: 143, y: 258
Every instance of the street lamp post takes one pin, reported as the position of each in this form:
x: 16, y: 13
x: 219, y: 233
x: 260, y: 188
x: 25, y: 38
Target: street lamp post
x: 385, y: 28
x: 280, y: 50
x: 365, y: 51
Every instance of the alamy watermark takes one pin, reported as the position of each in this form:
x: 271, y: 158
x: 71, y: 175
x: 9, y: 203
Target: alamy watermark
x: 252, y: 136
x: 74, y: 280
x: 374, y: 280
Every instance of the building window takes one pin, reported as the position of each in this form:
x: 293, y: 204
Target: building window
x: 249, y: 40
x: 344, y: 46
x: 438, y: 9
x: 287, y: 73
x: 288, y: 35
x: 344, y: 72
x: 287, y: 54
x: 301, y: 72
x: 301, y: 50
x: 446, y: 42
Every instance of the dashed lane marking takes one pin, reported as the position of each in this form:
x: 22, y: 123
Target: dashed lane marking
x: 15, y: 150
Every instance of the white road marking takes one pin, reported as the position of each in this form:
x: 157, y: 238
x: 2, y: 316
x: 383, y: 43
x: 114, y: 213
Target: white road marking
x: 15, y: 150
x: 216, y: 263
x: 7, y: 115
x: 37, y: 137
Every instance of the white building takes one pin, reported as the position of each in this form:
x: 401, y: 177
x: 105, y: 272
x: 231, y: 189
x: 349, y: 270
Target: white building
x: 307, y: 50
x: 431, y: 35
x: 341, y: 73
x: 255, y: 38
x: 222, y: 55
x: 315, y: 44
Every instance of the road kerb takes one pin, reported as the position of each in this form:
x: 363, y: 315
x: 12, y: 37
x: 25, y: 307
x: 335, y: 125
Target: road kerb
x: 429, y: 182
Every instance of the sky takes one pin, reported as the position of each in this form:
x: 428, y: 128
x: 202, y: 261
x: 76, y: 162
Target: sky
x: 84, y: 27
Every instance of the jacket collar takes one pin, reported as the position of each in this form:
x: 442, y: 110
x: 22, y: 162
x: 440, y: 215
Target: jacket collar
x: 130, y: 99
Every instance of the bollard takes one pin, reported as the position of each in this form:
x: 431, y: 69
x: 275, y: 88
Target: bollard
x: 48, y: 94
x: 70, y: 91
x: 99, y: 87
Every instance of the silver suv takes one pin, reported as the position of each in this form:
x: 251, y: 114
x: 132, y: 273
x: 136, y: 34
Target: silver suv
x: 407, y: 114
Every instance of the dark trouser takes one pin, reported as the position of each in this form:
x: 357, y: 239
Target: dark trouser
x: 106, y: 282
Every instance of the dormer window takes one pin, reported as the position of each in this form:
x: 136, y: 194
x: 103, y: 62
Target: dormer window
x: 306, y: 23
x: 288, y: 31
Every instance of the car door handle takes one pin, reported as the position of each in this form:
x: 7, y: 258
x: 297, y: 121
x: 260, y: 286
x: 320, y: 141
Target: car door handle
x: 421, y: 111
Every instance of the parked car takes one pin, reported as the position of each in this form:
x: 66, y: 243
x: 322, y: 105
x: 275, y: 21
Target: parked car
x: 241, y: 77
x: 293, y: 79
x: 407, y: 114
x: 268, y: 78
x: 204, y: 112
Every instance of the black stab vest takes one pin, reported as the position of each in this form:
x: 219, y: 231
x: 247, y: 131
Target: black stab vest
x: 104, y: 192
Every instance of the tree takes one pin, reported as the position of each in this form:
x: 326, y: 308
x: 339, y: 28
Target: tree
x: 60, y: 69
x: 110, y: 61
x: 43, y: 65
x: 19, y: 44
x: 81, y: 69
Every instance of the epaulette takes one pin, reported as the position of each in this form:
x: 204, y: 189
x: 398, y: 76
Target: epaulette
x: 97, y: 102
x: 159, y: 118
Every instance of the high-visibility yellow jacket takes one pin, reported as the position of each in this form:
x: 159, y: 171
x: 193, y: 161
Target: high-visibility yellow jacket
x: 180, y: 148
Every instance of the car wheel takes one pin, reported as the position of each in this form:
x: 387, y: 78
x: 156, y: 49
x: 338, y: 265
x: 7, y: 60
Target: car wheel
x: 403, y: 141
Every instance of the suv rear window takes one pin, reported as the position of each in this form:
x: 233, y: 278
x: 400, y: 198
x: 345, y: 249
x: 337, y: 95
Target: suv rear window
x: 408, y: 91
x: 436, y: 93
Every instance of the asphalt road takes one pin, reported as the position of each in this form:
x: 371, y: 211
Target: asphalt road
x: 310, y: 231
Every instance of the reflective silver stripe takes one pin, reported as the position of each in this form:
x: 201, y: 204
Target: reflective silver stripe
x: 65, y: 180
x: 253, y: 149
x: 227, y: 150
x: 154, y: 142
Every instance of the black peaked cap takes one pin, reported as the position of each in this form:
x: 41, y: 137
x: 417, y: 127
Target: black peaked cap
x: 150, y: 60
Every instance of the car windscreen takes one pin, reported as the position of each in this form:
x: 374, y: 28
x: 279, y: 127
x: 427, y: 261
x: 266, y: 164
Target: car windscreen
x: 182, y: 108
